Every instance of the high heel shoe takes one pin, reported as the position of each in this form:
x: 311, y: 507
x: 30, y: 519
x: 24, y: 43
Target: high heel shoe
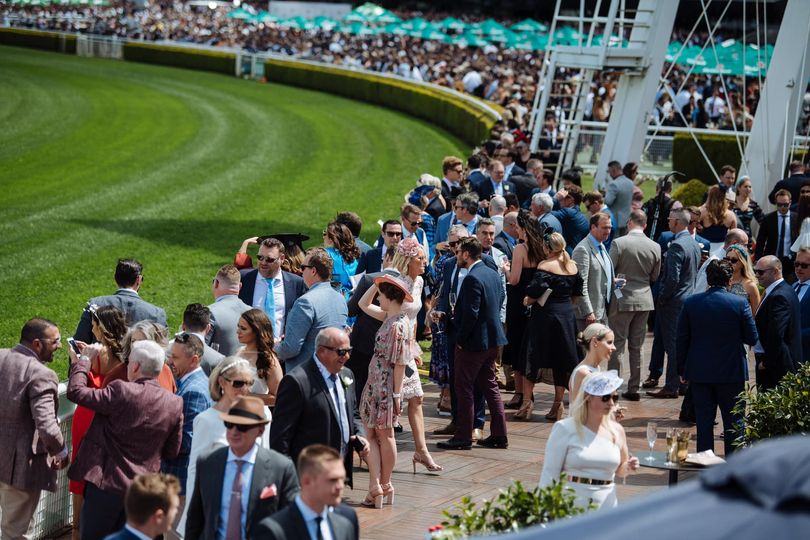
x: 388, y: 493
x: 374, y: 499
x: 525, y: 412
x: 515, y: 403
x: 557, y: 411
x: 427, y: 461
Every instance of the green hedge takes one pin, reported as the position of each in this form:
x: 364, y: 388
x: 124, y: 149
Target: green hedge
x: 469, y: 123
x: 36, y: 39
x: 721, y: 150
x: 691, y: 193
x: 220, y: 62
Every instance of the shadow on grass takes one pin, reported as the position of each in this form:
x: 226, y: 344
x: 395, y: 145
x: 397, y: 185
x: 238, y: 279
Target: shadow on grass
x: 213, y: 235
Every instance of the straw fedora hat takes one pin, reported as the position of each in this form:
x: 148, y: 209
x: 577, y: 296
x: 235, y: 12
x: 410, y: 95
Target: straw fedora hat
x: 246, y: 411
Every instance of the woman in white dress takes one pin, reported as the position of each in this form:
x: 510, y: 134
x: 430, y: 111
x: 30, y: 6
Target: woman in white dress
x: 598, y: 341
x: 589, y: 446
x: 232, y: 378
x: 410, y: 261
x: 255, y: 332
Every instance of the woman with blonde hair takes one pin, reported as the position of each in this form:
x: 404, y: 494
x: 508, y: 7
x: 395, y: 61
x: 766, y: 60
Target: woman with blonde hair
x: 589, y: 446
x: 743, y: 282
x: 410, y: 261
x: 597, y: 339
x: 549, y: 344
x: 716, y: 218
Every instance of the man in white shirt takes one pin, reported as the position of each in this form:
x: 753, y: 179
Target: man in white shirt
x: 152, y: 502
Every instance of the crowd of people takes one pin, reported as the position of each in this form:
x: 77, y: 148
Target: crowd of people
x: 496, y: 264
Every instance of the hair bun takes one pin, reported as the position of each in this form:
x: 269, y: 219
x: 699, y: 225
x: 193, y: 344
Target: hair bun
x: 581, y: 338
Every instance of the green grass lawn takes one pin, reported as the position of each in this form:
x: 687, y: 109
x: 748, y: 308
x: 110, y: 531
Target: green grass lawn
x: 101, y: 159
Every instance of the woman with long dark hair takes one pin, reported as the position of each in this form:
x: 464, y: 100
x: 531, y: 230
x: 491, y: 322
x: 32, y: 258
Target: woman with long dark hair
x: 255, y: 332
x: 340, y: 245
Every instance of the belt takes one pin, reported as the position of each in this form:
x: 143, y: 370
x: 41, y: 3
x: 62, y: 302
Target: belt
x: 589, y: 481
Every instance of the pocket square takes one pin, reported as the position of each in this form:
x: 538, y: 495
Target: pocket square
x: 268, y: 491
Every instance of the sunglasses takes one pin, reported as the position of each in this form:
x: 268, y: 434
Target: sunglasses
x: 459, y: 171
x: 392, y: 233
x: 803, y: 266
x: 783, y: 205
x: 305, y: 266
x: 241, y: 428
x: 416, y: 223
x: 614, y: 397
x: 339, y: 351
x: 453, y: 244
x: 238, y: 383
x: 731, y: 260
x: 267, y: 259
x: 759, y: 272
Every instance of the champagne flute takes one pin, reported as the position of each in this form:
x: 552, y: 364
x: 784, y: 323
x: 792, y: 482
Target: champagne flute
x: 452, y: 300
x: 652, y: 435
x: 672, y: 440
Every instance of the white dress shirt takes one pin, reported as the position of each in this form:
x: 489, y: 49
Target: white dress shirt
x: 259, y: 295
x: 227, y: 483
x: 309, y: 516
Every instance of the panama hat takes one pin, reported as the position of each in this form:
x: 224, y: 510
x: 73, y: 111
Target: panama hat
x: 246, y: 411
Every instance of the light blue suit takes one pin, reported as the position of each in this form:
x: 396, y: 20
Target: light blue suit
x: 443, y: 227
x: 320, y: 307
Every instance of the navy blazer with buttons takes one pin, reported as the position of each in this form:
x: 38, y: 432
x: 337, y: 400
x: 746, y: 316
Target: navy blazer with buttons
x: 486, y: 190
x: 477, y: 315
x: 293, y: 287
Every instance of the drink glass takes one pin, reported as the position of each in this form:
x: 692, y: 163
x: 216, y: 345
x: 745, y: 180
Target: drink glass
x: 652, y: 435
x: 621, y: 281
x: 683, y: 446
x: 672, y: 445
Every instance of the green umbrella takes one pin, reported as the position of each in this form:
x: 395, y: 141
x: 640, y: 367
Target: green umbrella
x: 358, y: 29
x: 535, y: 42
x: 468, y: 39
x: 239, y: 13
x: 298, y: 22
x: 529, y: 25
x: 451, y: 23
x: 325, y: 23
x: 430, y: 34
x: 416, y: 23
x: 265, y: 17
x: 385, y: 18
x: 492, y: 28
x: 566, y: 35
x: 504, y: 37
x: 369, y: 10
x: 394, y: 28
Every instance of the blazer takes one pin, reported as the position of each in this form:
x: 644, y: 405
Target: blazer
x: 779, y: 326
x: 443, y: 226
x: 449, y: 281
x: 210, y: 359
x: 477, y: 316
x: 370, y: 261
x: 595, y: 281
x: 504, y: 245
x: 289, y: 523
x: 474, y: 178
x: 134, y: 307
x: 619, y: 197
x: 639, y: 259
x: 294, y: 288
x: 271, y: 468
x: 365, y: 327
x: 804, y: 305
x: 435, y: 208
x: 793, y: 184
x: 29, y: 431
x: 574, y: 226
x: 486, y: 190
x: 450, y: 194
x: 305, y: 413
x: 123, y: 534
x: 548, y: 221
x: 707, y: 316
x: 136, y: 424
x: 321, y: 307
x: 524, y: 185
x: 679, y: 271
x: 516, y: 170
x: 666, y: 238
x: 225, y: 313
x: 768, y: 235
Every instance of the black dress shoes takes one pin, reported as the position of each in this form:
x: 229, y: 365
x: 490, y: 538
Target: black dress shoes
x: 455, y: 444
x: 494, y: 441
x: 664, y: 394
x: 631, y: 396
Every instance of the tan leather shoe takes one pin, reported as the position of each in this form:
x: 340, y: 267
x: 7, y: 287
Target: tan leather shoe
x: 477, y: 435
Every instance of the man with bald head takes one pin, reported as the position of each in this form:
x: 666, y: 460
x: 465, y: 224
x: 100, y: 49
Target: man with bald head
x: 316, y: 403
x: 779, y: 349
x: 507, y: 239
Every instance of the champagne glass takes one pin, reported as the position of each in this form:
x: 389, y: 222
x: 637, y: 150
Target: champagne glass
x: 452, y: 299
x: 672, y: 441
x: 652, y: 435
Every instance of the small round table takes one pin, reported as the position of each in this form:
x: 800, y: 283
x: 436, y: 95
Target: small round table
x: 660, y: 462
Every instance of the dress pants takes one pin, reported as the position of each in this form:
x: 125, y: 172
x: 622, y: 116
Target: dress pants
x: 629, y: 328
x: 18, y: 506
x: 102, y: 513
x: 768, y: 377
x: 706, y: 398
x: 478, y: 397
x: 657, y: 349
x: 477, y: 370
x: 669, y: 329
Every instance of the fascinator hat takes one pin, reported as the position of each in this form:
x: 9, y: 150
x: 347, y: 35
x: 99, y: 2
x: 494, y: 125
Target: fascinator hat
x: 409, y: 247
x: 602, y: 383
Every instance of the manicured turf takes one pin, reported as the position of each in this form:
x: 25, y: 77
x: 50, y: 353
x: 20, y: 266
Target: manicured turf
x: 101, y: 159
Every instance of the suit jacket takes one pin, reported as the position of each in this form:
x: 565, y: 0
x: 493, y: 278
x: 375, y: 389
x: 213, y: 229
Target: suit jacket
x: 707, y: 316
x: 123, y: 534
x: 474, y: 178
x: 666, y: 238
x: 289, y: 523
x: 305, y: 414
x: 548, y: 221
x: 435, y: 208
x: 619, y: 197
x: 210, y: 359
x: 450, y: 195
x: 574, y: 225
x: 134, y: 307
x: 504, y: 245
x: 477, y: 316
x: 639, y: 259
x: 206, y: 499
x: 516, y: 170
x: 29, y: 431
x: 768, y: 235
x: 136, y: 424
x: 370, y: 261
x: 485, y: 189
x: 361, y: 245
x: 321, y: 307
x: 294, y: 288
x: 524, y: 185
x: 805, y: 311
x: 679, y: 272
x: 779, y: 326
x: 196, y: 398
x: 365, y: 327
x: 443, y: 226
x: 225, y: 313
x: 793, y: 184
x: 596, y: 279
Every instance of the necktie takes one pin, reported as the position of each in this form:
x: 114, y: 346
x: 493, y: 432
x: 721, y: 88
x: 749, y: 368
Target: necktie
x: 234, y: 528
x: 798, y: 289
x: 606, y: 266
x: 780, y: 251
x: 318, y: 533
x: 270, y: 302
x: 343, y: 435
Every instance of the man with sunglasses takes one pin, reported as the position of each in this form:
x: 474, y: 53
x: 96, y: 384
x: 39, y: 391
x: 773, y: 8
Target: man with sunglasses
x: 239, y: 485
x: 31, y: 442
x: 453, y: 171
x: 371, y: 261
x: 316, y: 403
x: 411, y: 220
x: 464, y: 212
x: 801, y: 287
x: 777, y: 233
x: 270, y: 288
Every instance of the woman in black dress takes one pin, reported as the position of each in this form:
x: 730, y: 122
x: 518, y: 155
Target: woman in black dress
x: 549, y: 344
x: 525, y: 258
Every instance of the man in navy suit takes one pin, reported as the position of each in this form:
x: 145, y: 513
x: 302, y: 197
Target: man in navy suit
x: 453, y: 170
x: 476, y: 165
x: 496, y: 185
x: 507, y: 156
x: 371, y: 261
x: 778, y: 319
x: 801, y: 287
x: 464, y: 212
x: 286, y: 287
x: 479, y: 333
x: 574, y: 224
x: 152, y: 502
x: 712, y: 329
x: 793, y: 183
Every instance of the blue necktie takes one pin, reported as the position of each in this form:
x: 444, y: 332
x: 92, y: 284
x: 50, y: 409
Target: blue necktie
x: 270, y: 303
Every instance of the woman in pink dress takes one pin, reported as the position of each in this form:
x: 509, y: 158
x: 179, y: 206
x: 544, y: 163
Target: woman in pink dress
x: 381, y: 401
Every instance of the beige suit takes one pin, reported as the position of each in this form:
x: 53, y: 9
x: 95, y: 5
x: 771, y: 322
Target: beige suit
x: 639, y: 259
x: 597, y: 276
x: 29, y: 433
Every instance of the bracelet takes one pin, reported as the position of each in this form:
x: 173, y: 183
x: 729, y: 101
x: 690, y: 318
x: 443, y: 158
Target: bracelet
x: 396, y: 396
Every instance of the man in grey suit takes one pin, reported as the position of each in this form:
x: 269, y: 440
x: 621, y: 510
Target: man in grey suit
x: 320, y: 307
x: 639, y: 259
x: 238, y: 485
x: 197, y: 321
x: 678, y: 279
x: 596, y: 270
x: 29, y: 432
x: 226, y: 309
x: 128, y: 276
x: 619, y: 192
x: 322, y: 476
